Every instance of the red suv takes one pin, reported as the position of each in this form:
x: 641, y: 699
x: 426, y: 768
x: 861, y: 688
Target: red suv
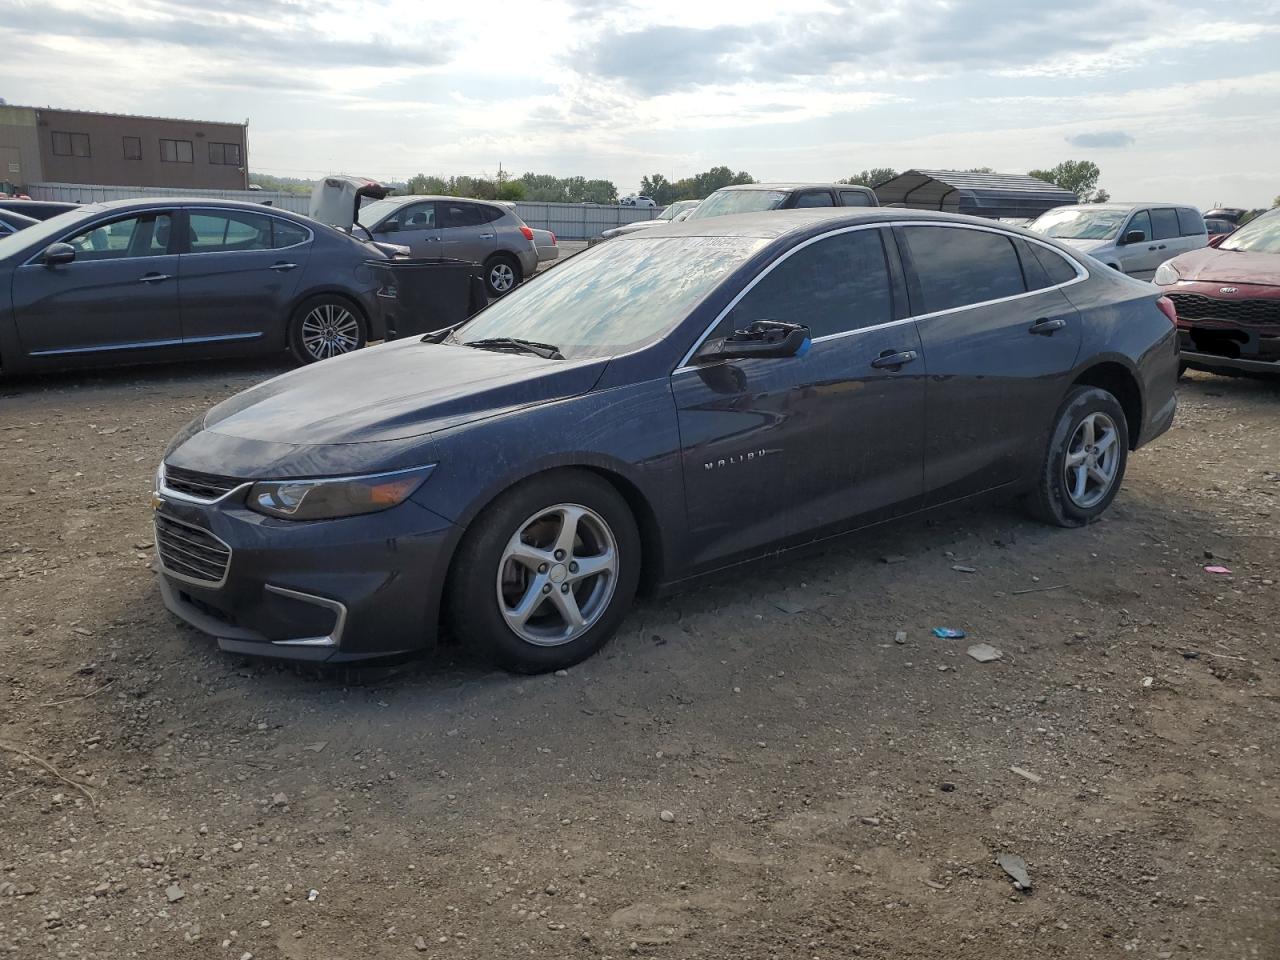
x: 1228, y: 300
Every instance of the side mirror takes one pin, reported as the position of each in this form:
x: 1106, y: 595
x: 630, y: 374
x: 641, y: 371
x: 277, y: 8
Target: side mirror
x: 58, y: 253
x: 1135, y: 236
x: 763, y: 338
x: 1217, y: 238
x: 388, y: 226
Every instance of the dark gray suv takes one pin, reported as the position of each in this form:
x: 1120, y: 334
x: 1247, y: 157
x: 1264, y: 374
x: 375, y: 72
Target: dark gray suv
x: 476, y: 230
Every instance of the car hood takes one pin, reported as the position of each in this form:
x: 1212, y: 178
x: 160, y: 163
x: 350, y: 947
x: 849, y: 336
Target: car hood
x: 399, y: 390
x: 1229, y: 266
x: 1084, y: 246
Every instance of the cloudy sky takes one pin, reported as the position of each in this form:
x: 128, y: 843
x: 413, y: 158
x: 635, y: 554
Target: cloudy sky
x: 1175, y: 100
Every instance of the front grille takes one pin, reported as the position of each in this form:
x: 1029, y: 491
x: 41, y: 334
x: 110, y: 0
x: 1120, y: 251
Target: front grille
x: 1193, y: 306
x: 191, y: 551
x: 206, y: 486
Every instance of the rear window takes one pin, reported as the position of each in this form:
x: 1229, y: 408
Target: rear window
x: 1164, y: 221
x: 724, y: 202
x: 855, y: 198
x: 957, y: 267
x: 1055, y: 265
x: 815, y: 198
x: 1190, y: 223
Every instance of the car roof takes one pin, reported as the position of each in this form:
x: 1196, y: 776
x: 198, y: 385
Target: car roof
x: 142, y: 203
x: 1121, y: 205
x: 793, y: 186
x: 772, y: 224
x: 413, y: 197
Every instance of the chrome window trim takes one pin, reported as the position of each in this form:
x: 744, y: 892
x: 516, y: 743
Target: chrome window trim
x: 1082, y: 274
x: 107, y: 220
x: 178, y: 495
x: 194, y: 581
x: 311, y: 234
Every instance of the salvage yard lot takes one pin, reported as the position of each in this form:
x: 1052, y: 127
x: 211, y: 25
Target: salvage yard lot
x: 833, y: 792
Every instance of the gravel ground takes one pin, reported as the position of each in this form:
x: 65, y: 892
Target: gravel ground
x: 788, y: 764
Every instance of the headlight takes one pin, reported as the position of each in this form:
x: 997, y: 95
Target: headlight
x: 337, y: 496
x: 1166, y: 274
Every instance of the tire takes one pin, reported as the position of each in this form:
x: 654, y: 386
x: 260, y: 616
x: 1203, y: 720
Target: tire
x: 512, y: 611
x: 1058, y: 497
x: 502, y: 274
x: 324, y: 326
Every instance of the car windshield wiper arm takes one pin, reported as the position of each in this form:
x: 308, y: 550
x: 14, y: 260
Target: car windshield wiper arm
x: 547, y: 351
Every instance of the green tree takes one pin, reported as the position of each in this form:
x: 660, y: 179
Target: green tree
x: 871, y: 178
x: 658, y: 188
x: 511, y: 190
x: 1276, y: 202
x: 980, y: 170
x: 422, y: 183
x: 1078, y: 176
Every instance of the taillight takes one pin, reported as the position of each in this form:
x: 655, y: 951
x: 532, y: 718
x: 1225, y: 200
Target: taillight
x: 1168, y: 309
x: 553, y: 238
x: 528, y: 234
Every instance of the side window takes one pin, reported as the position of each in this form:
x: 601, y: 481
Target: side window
x: 229, y: 232
x: 287, y: 234
x: 459, y: 214
x: 418, y: 216
x: 815, y: 198
x: 1055, y: 265
x: 854, y: 198
x: 138, y: 236
x: 957, y: 267
x: 490, y: 214
x: 1140, y: 221
x: 838, y: 284
x: 1164, y: 223
x: 1190, y: 223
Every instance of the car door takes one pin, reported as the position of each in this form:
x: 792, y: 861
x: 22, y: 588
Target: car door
x: 464, y: 232
x: 1139, y: 258
x: 237, y: 275
x: 414, y: 226
x: 787, y: 449
x: 119, y: 293
x: 997, y: 347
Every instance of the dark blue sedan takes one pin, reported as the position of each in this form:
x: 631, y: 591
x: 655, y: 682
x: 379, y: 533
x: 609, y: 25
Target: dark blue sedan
x: 144, y: 280
x: 658, y: 409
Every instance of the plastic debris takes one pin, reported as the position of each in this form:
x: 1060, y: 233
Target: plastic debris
x: 312, y: 895
x: 1016, y: 868
x: 949, y: 633
x: 1216, y: 568
x: 1147, y: 682
x: 963, y: 568
x: 984, y: 652
x: 1027, y: 774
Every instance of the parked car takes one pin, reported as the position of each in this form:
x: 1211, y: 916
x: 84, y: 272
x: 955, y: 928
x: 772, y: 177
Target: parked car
x: 36, y: 209
x: 676, y: 212
x: 544, y: 241
x: 1218, y: 229
x: 757, y: 197
x: 1133, y: 238
x: 1228, y: 300
x: 637, y: 201
x: 658, y: 408
x: 142, y: 280
x: 487, y: 233
x: 11, y: 222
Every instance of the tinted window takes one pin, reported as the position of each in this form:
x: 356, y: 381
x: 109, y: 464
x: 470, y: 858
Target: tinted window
x: 1190, y: 223
x: 227, y: 154
x: 418, y: 216
x: 286, y: 234
x: 1140, y: 221
x: 490, y: 214
x: 142, y: 236
x: 957, y: 267
x: 1164, y: 221
x: 837, y: 284
x: 176, y: 151
x: 1058, y: 268
x: 815, y: 198
x: 132, y: 148
x: 854, y: 198
x: 459, y: 214
x: 224, y: 232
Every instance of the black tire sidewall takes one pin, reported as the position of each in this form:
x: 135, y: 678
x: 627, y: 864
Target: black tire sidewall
x: 511, y: 262
x: 298, y: 351
x: 472, y: 601
x: 1052, y: 501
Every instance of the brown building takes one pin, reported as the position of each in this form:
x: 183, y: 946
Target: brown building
x: 40, y: 145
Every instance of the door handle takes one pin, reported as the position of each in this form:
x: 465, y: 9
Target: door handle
x: 154, y: 278
x: 891, y: 360
x: 1162, y: 246
x: 283, y: 267
x: 1045, y: 326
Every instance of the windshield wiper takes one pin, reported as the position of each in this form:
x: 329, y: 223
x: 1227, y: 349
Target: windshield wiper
x: 547, y: 351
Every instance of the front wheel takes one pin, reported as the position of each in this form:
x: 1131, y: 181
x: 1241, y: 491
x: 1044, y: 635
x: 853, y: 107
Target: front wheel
x: 501, y: 275
x: 1085, y: 460
x: 325, y: 326
x: 546, y: 573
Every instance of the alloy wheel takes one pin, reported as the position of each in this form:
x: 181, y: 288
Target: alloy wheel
x: 501, y: 277
x: 557, y: 575
x: 1092, y: 461
x: 329, y: 330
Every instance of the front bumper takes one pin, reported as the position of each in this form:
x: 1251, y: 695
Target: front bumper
x: 344, y: 590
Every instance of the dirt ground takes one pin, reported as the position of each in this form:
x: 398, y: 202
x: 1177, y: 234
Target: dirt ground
x: 832, y: 792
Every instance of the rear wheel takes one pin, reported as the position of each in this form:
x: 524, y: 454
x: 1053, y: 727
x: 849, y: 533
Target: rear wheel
x: 326, y: 326
x: 1085, y: 460
x: 501, y: 274
x: 546, y: 573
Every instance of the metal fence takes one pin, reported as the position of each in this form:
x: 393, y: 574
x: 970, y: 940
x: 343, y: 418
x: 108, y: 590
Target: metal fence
x: 572, y: 221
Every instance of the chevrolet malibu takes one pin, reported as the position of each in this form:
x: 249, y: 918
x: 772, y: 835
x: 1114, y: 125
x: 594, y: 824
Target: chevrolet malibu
x: 661, y: 408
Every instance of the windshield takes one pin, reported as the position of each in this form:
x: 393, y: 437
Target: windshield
x: 675, y: 209
x: 1260, y: 236
x: 724, y: 202
x: 614, y: 298
x: 371, y: 213
x: 40, y: 235
x: 1073, y: 223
